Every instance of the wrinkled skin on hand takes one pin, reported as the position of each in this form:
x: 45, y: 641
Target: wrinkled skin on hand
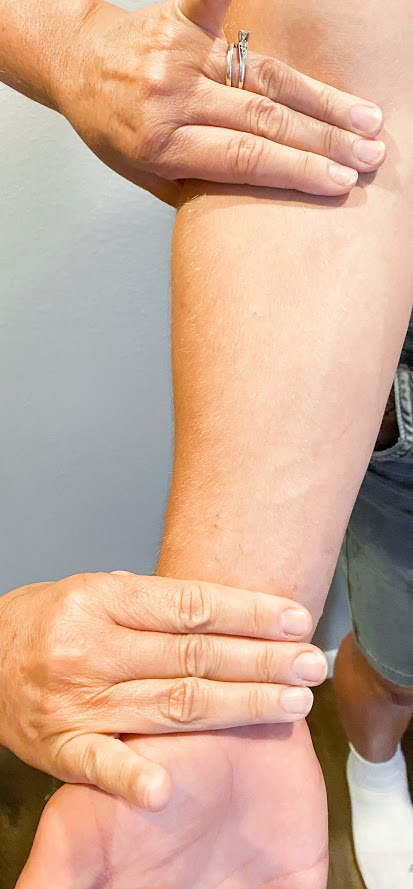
x: 145, y: 91
x: 248, y: 812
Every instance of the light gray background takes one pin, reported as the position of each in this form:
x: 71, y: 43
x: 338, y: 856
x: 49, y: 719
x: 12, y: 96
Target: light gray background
x: 85, y: 397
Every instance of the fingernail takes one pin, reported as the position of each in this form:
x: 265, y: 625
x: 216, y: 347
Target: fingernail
x: 343, y: 175
x: 367, y: 118
x: 310, y: 667
x: 297, y: 700
x: 295, y: 622
x: 368, y: 151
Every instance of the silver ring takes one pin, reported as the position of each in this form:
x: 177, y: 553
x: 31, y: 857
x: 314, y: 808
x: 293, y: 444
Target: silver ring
x: 230, y: 59
x: 243, y: 38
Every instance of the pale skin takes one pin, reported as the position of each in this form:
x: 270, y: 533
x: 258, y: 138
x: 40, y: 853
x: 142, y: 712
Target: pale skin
x: 289, y: 316
x: 93, y: 656
x: 144, y: 91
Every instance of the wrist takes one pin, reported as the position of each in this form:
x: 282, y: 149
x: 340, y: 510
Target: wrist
x: 84, y: 58
x: 67, y: 61
x: 38, y: 45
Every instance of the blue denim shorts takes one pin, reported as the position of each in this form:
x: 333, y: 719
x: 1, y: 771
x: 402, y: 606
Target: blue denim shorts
x: 377, y: 552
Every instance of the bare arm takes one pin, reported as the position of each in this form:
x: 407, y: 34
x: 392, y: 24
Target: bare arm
x: 289, y: 316
x: 35, y: 42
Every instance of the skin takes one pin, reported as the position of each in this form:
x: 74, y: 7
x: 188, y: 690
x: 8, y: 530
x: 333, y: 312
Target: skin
x: 375, y: 712
x: 96, y: 655
x: 145, y: 91
x: 289, y: 317
x: 221, y: 829
x: 90, y: 61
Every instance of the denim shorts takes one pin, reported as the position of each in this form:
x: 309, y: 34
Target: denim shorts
x: 377, y: 552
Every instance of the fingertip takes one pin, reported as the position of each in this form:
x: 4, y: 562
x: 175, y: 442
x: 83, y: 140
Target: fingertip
x: 158, y: 791
x: 297, y: 701
x: 366, y: 119
x: 345, y: 177
x: 297, y: 622
x: 311, y: 666
x: 370, y: 152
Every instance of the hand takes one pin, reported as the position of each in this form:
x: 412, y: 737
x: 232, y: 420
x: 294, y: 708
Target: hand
x: 248, y: 812
x: 145, y: 91
x: 96, y: 655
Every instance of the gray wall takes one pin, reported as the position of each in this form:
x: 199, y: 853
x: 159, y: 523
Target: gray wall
x: 85, y: 401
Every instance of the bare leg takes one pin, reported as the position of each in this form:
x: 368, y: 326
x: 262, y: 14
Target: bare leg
x: 375, y: 713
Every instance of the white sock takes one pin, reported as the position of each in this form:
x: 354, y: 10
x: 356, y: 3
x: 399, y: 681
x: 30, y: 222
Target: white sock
x: 382, y: 817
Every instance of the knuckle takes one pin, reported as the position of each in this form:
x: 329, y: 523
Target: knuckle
x: 268, y: 664
x: 67, y: 646
x: 90, y: 762
x: 154, y: 75
x: 65, y: 663
x: 245, y: 155
x: 327, y: 102
x: 282, y: 123
x: 186, y: 702
x: 75, y: 758
x: 76, y: 595
x: 62, y: 658
x: 330, y: 140
x: 305, y: 167
x: 40, y: 715
x: 195, y: 607
x: 195, y: 655
x: 257, y: 704
x: 270, y: 77
x: 212, y: 64
x: 257, y: 622
x: 125, y: 574
x: 260, y: 116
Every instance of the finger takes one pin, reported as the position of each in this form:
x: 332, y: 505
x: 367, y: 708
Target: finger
x: 157, y: 706
x: 247, y: 112
x: 184, y: 606
x: 208, y: 14
x: 220, y: 155
x: 222, y: 658
x: 109, y: 764
x: 270, y: 77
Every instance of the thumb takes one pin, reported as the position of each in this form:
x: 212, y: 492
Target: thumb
x: 208, y: 14
x: 112, y: 766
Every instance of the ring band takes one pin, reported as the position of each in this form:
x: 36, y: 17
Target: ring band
x: 230, y: 59
x: 242, y: 49
x: 243, y: 38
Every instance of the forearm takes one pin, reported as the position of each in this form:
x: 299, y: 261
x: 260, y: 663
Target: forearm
x: 288, y: 318
x: 36, y: 41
